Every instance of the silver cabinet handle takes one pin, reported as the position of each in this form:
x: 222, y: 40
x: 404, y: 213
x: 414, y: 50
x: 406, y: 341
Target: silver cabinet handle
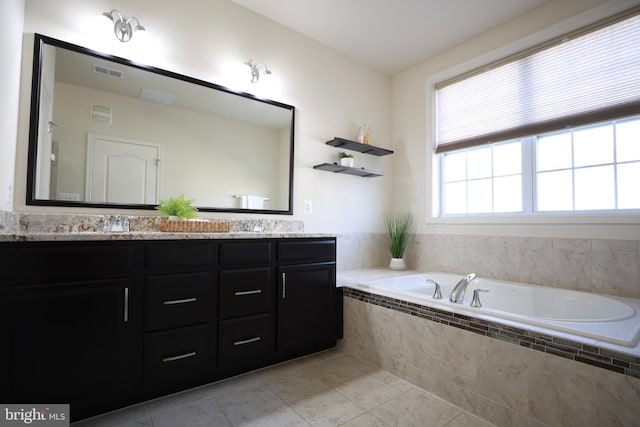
x: 179, y: 357
x: 126, y: 305
x: 255, y: 291
x: 179, y: 301
x: 284, y: 285
x: 250, y: 340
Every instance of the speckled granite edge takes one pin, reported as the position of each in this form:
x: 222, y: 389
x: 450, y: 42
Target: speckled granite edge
x: 97, y: 236
x: 8, y: 223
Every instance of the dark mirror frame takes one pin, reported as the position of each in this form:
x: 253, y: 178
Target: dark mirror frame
x: 40, y: 41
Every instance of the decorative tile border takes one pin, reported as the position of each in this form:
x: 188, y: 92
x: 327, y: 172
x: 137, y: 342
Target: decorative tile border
x: 579, y: 352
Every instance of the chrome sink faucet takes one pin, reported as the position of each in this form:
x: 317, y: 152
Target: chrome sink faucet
x: 457, y: 294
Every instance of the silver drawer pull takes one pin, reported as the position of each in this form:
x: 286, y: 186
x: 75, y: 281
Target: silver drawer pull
x: 255, y: 291
x: 284, y: 285
x: 179, y: 301
x: 178, y: 357
x: 126, y: 305
x: 250, y: 340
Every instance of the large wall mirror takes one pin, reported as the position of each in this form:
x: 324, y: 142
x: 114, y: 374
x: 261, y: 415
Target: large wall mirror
x: 107, y: 132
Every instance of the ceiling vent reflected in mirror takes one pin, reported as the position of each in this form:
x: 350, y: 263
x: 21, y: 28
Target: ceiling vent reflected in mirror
x: 101, y: 69
x: 155, y: 96
x: 101, y: 114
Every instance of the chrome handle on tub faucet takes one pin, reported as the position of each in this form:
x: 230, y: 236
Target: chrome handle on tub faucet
x: 475, y: 302
x: 437, y: 294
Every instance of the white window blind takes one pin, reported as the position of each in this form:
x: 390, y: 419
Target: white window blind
x: 579, y: 79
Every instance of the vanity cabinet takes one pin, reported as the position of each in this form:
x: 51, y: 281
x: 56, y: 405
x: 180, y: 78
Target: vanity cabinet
x: 106, y: 324
x: 306, y: 295
x: 68, y: 325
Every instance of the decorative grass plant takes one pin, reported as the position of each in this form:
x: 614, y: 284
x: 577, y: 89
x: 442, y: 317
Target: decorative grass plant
x: 178, y: 206
x: 398, y: 226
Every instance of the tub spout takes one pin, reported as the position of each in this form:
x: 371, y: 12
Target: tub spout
x: 457, y: 294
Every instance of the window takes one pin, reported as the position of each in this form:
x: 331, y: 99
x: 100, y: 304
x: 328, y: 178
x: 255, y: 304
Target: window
x: 481, y: 180
x: 590, y: 168
x: 556, y: 128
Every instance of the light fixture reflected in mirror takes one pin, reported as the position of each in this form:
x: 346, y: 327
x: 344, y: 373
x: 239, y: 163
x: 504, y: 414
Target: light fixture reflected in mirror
x: 255, y: 70
x: 123, y: 28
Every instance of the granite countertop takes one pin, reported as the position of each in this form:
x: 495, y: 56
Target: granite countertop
x: 151, y: 235
x: 30, y: 227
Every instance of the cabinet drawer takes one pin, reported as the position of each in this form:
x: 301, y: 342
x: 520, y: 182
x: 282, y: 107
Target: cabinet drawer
x: 245, y: 253
x: 175, y: 300
x: 307, y: 250
x: 246, y: 341
x: 244, y: 292
x: 25, y: 263
x: 177, y: 256
x: 177, y: 356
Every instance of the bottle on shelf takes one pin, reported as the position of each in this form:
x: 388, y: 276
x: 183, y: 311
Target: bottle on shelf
x: 364, y: 134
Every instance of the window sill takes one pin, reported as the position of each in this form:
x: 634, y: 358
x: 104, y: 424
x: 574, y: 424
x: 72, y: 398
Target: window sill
x: 570, y: 225
x: 609, y: 217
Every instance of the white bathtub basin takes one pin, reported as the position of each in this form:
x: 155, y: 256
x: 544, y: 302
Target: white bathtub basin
x: 603, y: 318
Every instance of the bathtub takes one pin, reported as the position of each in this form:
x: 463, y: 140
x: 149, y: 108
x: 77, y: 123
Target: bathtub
x: 601, y: 318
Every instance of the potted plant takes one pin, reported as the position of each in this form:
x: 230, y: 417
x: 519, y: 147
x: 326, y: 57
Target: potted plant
x: 346, y: 159
x: 178, y: 207
x: 398, y: 227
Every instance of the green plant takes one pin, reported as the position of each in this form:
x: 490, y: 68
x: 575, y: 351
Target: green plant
x: 346, y: 155
x: 398, y: 226
x: 178, y: 206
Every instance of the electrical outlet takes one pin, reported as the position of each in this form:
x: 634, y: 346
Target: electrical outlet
x: 308, y: 206
x: 9, y: 193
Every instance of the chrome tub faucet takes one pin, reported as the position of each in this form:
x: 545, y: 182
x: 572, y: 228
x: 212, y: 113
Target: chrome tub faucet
x: 457, y: 294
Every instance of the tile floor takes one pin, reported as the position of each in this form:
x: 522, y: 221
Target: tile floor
x: 325, y: 389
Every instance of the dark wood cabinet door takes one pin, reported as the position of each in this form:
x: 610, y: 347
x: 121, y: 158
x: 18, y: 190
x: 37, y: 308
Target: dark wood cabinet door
x: 306, y: 296
x: 68, y: 343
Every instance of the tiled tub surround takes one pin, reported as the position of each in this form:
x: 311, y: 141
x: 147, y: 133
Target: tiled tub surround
x: 505, y: 374
x: 603, y: 266
x: 609, y: 267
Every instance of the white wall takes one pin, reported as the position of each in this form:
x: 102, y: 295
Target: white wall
x: 11, y: 24
x: 210, y: 40
x: 332, y: 93
x: 413, y: 129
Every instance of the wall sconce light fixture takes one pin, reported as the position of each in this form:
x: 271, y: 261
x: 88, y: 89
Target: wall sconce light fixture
x: 255, y: 70
x: 122, y: 27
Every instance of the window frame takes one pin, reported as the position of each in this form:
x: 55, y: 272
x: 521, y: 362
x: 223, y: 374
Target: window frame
x: 529, y: 172
x: 596, y: 224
